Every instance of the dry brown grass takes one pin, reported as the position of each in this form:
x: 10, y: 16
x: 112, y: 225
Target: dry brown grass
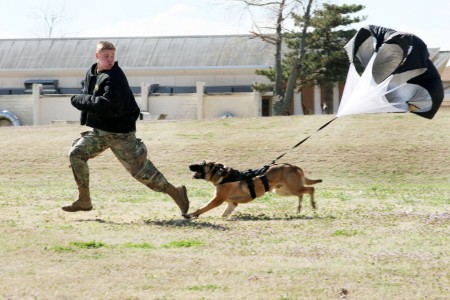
x: 381, y: 231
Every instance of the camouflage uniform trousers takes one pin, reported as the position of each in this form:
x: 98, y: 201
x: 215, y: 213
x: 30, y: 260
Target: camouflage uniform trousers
x: 130, y: 151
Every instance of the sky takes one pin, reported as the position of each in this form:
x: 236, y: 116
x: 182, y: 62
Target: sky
x: 430, y: 19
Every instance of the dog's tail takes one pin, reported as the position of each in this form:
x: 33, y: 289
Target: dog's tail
x: 312, y: 181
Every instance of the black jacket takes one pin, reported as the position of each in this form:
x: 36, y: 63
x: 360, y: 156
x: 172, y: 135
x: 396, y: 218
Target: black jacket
x: 107, y: 102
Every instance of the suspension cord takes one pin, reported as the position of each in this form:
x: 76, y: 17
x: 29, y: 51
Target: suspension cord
x: 302, y: 141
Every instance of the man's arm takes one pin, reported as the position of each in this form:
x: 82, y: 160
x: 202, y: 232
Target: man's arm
x: 109, y: 103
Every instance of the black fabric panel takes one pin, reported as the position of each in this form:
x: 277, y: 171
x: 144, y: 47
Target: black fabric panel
x: 431, y: 81
x: 380, y: 34
x: 362, y: 35
x: 415, y: 56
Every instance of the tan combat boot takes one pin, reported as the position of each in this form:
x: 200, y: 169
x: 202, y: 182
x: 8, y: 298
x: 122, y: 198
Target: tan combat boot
x: 179, y: 195
x: 82, y: 204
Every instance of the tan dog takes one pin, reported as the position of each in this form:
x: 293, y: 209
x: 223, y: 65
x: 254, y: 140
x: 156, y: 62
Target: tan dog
x: 231, y: 187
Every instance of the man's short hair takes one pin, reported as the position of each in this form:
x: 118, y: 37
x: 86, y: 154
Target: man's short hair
x: 105, y: 45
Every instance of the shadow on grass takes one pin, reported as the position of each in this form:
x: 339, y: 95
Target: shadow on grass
x: 163, y: 223
x: 264, y: 217
x: 196, y: 224
x: 98, y: 220
x: 186, y: 223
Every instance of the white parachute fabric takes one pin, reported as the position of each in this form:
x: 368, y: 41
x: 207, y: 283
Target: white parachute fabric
x: 362, y: 95
x: 397, y: 75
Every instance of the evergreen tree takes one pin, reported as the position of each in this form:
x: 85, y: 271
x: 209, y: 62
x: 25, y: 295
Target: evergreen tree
x: 324, y: 61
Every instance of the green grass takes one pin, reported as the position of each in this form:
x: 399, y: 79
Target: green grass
x: 138, y: 245
x: 381, y: 230
x: 345, y: 232
x: 183, y: 244
x: 88, y: 245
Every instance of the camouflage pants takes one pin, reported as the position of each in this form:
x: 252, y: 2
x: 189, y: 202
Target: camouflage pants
x: 130, y: 151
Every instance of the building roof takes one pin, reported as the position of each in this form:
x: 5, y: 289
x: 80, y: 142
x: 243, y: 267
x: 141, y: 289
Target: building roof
x: 446, y: 74
x: 439, y: 58
x: 227, y: 51
x: 169, y: 52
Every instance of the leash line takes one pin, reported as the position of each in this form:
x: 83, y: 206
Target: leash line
x: 302, y: 141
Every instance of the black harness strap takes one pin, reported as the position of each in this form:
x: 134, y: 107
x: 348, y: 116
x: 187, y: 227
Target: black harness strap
x: 265, y: 182
x: 235, y: 175
x: 251, y: 188
x: 251, y: 185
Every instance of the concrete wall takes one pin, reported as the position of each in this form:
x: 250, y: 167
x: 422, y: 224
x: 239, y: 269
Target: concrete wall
x: 182, y: 77
x: 238, y: 104
x: 50, y: 108
x: 187, y: 106
x: 53, y: 108
x: 20, y: 105
x: 38, y: 109
x: 177, y: 106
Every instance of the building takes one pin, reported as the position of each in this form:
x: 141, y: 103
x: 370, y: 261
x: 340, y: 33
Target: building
x: 445, y: 75
x: 179, y: 77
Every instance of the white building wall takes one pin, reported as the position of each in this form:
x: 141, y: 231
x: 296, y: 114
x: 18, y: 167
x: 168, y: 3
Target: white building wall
x: 178, y: 106
x: 20, y: 105
x: 36, y: 109
x: 66, y: 79
x: 168, y: 77
x: 56, y: 108
x: 238, y: 104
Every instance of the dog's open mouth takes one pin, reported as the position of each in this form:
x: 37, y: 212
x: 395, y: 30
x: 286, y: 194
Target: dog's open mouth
x: 198, y: 171
x: 197, y: 175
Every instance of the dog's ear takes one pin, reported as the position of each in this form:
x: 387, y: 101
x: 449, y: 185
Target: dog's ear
x: 216, y: 173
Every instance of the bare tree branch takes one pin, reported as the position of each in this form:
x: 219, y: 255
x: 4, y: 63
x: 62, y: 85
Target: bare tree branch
x: 52, y: 18
x: 282, y: 106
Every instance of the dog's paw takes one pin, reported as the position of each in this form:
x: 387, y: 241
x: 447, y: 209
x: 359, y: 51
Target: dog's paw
x: 190, y: 216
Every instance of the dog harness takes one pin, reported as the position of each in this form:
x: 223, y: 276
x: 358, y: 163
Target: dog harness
x: 265, y: 182
x: 251, y: 186
x: 248, y: 176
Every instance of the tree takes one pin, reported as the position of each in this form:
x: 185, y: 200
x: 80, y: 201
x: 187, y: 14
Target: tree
x: 325, y: 60
x: 316, y: 56
x: 276, y: 40
x: 280, y: 11
x: 281, y: 105
x: 51, y: 17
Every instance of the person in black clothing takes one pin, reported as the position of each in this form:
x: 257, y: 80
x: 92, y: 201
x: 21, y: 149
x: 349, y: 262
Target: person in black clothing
x: 108, y: 106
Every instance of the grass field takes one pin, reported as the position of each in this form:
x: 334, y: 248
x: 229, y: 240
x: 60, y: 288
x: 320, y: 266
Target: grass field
x: 381, y: 231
